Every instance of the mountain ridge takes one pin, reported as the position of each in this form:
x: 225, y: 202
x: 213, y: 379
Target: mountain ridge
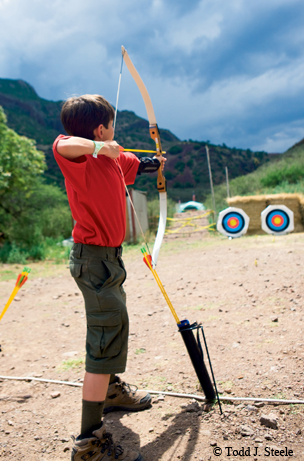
x: 186, y: 167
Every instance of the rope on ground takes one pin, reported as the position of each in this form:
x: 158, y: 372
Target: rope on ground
x: 170, y: 394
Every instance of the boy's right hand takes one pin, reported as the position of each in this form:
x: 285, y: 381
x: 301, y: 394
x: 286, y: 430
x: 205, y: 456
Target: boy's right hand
x: 110, y: 149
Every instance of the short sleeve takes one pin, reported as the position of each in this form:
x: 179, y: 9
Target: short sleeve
x: 129, y: 164
x: 73, y: 171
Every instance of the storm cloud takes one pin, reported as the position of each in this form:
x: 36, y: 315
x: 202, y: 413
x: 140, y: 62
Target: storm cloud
x: 228, y: 72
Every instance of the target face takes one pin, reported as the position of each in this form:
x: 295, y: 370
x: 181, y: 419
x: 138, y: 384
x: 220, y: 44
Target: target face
x: 277, y: 219
x: 233, y: 222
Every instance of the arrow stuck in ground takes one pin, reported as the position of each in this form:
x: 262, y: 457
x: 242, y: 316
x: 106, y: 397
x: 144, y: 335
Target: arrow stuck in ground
x: 21, y: 279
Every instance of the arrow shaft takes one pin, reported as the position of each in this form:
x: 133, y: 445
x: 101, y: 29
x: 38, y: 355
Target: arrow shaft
x: 142, y: 150
x: 14, y: 292
x: 162, y: 289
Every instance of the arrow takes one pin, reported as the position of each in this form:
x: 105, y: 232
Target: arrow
x: 123, y: 149
x: 148, y: 261
x: 193, y: 346
x: 21, y: 279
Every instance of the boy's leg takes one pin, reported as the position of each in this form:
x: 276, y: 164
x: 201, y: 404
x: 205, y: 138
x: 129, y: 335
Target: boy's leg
x: 95, y: 387
x: 95, y: 443
x: 94, y: 392
x: 99, y: 273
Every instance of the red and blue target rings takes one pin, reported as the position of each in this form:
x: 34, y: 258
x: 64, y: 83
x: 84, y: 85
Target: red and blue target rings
x: 233, y: 222
x: 277, y: 220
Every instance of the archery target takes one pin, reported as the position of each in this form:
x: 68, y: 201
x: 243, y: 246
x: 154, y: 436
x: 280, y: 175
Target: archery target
x: 232, y: 222
x: 277, y: 219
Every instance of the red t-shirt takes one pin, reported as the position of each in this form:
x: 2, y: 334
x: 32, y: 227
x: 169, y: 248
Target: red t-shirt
x: 97, y: 197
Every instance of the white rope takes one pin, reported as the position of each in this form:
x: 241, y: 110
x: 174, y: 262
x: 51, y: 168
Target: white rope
x: 31, y: 378
x: 249, y: 399
x: 171, y: 394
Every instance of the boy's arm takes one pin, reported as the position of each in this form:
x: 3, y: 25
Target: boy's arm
x: 74, y: 147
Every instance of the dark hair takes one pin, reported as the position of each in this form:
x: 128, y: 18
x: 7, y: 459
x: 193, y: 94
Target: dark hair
x: 81, y: 115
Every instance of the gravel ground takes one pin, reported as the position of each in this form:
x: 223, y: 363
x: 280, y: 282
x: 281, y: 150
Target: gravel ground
x: 248, y: 294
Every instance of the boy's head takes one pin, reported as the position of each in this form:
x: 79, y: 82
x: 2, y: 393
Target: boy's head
x: 81, y: 115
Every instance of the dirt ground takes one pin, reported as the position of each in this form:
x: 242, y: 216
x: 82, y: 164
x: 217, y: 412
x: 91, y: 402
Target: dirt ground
x: 248, y: 294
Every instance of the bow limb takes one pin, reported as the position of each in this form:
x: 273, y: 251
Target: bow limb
x: 154, y: 134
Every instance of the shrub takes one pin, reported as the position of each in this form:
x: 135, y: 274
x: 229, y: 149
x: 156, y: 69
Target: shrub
x: 291, y: 174
x: 175, y: 150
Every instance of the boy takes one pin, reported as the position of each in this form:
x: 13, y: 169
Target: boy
x: 96, y: 171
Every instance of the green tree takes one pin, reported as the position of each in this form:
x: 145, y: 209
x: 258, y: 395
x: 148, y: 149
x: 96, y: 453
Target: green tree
x: 21, y: 166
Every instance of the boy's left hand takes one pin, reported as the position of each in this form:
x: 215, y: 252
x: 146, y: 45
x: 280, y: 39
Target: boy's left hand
x: 162, y: 160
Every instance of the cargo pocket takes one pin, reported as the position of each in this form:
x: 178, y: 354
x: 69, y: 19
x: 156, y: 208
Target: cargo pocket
x: 75, y: 269
x: 99, y: 274
x: 104, y: 335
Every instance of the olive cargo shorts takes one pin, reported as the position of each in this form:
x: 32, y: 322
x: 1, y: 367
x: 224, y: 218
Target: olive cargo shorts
x: 99, y: 273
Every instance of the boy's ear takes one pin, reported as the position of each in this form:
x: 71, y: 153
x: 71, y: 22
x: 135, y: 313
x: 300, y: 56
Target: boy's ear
x: 98, y: 131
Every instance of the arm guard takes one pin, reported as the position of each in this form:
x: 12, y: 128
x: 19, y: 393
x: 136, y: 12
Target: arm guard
x: 148, y: 165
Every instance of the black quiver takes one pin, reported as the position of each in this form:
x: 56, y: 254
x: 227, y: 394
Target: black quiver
x: 196, y: 354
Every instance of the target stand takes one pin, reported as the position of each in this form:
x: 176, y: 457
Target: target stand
x: 277, y: 220
x: 233, y: 222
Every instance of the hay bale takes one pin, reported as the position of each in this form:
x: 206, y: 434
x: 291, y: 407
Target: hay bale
x: 301, y: 206
x: 254, y: 205
x: 292, y: 201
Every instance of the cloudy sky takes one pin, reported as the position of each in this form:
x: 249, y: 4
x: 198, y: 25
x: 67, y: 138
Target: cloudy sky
x: 225, y: 71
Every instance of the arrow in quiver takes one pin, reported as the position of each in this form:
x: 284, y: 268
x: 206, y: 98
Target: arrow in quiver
x: 233, y: 222
x: 277, y: 220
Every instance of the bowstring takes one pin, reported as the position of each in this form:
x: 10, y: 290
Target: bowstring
x: 118, y: 91
x: 114, y: 126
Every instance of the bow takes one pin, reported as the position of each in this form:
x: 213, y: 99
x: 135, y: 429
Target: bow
x: 154, y: 134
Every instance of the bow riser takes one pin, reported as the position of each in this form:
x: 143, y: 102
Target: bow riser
x: 161, y: 180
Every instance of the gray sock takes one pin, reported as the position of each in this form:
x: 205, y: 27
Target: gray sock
x: 91, y: 417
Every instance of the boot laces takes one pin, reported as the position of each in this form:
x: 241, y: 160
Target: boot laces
x: 125, y: 387
x: 108, y: 444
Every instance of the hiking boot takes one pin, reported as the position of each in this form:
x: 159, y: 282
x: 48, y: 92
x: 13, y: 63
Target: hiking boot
x: 101, y: 447
x: 121, y: 397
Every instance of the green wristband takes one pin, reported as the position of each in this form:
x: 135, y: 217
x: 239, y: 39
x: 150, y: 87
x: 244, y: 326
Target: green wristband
x: 98, y: 146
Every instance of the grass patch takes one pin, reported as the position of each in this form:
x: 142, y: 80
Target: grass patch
x: 280, y: 396
x: 158, y: 383
x: 225, y: 384
x: 140, y: 351
x: 295, y: 409
x: 71, y: 364
x: 7, y: 275
x: 38, y: 269
x: 212, y: 317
